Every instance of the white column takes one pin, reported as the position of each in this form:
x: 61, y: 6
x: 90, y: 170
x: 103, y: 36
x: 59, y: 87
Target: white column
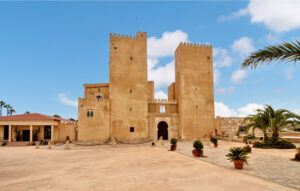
x: 30, y: 133
x: 9, y: 133
x: 52, y: 132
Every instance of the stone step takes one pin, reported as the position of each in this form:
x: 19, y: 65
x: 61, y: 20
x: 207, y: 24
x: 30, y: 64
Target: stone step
x: 19, y: 143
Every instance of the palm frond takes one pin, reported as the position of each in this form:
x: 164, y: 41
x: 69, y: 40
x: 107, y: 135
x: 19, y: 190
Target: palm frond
x: 284, y: 52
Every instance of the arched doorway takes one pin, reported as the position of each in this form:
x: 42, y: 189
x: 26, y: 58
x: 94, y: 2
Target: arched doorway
x: 162, y: 130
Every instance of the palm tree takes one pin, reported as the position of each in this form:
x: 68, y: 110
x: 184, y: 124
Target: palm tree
x: 27, y: 112
x: 260, y: 121
x: 274, y: 120
x: 12, y: 111
x: 7, y: 106
x: 284, y: 52
x: 2, y: 103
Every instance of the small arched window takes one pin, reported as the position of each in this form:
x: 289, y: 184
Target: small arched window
x: 88, y: 113
x: 92, y: 113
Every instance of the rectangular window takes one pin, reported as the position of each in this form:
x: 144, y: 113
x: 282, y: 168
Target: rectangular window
x: 162, y: 109
x: 131, y: 129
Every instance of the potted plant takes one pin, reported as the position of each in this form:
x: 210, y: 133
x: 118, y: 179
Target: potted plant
x: 214, y: 141
x: 198, y: 148
x: 239, y: 156
x: 297, y: 155
x: 173, y: 144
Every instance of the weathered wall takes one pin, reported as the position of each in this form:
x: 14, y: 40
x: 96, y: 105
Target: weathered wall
x: 65, y: 130
x: 170, y: 117
x: 194, y: 90
x: 150, y: 90
x: 94, y: 128
x: 129, y: 86
x: 171, y: 92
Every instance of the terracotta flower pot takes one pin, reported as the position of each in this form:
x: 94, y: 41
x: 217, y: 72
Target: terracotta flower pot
x: 216, y: 145
x: 198, y: 153
x: 173, y: 147
x: 238, y: 164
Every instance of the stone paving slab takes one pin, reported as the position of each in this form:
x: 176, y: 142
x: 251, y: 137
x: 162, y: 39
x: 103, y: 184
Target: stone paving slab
x: 269, y: 164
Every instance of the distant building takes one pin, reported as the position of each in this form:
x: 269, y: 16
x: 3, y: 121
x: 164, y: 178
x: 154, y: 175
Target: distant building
x: 125, y: 107
x: 36, y: 127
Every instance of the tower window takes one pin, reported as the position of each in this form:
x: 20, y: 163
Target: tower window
x: 131, y: 58
x: 162, y: 109
x: 130, y: 109
x: 115, y: 48
x: 92, y: 113
x: 131, y: 129
x: 130, y: 91
x: 88, y: 113
x: 196, y: 106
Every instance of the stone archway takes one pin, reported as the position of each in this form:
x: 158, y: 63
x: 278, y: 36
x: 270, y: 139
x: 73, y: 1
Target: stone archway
x: 162, y: 130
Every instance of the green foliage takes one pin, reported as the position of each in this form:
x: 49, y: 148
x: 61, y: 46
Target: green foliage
x: 247, y: 149
x: 55, y: 115
x: 173, y: 141
x: 284, y: 52
x: 198, y: 145
x: 237, y: 153
x: 276, y: 144
x: 250, y: 136
x: 214, y: 140
x: 297, y: 129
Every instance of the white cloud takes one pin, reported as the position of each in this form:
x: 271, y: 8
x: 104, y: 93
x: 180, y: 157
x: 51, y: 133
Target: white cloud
x: 217, y: 75
x: 67, y: 101
x: 277, y: 15
x: 160, y: 95
x: 239, y: 75
x: 289, y: 73
x: 152, y: 62
x: 167, y: 44
x: 272, y: 38
x: 243, y: 46
x: 226, y: 91
x: 162, y: 76
x: 223, y: 110
x: 249, y: 109
x: 222, y: 58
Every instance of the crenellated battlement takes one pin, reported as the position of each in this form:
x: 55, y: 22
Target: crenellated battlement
x: 139, y: 35
x: 193, y: 45
x: 162, y: 101
x: 93, y: 100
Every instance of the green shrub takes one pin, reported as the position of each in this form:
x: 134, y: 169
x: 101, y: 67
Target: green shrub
x: 214, y: 140
x: 250, y: 137
x: 275, y: 143
x: 247, y: 149
x: 258, y: 145
x: 173, y: 141
x: 237, y: 153
x: 283, y: 144
x: 198, y: 145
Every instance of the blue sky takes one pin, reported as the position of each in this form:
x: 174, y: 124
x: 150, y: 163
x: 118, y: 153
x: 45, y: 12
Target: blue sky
x: 48, y: 50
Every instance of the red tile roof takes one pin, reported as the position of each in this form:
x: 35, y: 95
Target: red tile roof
x: 32, y: 116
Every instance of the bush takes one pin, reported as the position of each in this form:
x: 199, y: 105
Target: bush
x: 247, y: 149
x: 277, y: 144
x: 198, y: 145
x: 250, y: 137
x: 214, y: 140
x: 173, y: 141
x: 237, y: 153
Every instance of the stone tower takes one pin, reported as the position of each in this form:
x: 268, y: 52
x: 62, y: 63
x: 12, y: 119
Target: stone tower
x: 194, y: 90
x: 128, y: 86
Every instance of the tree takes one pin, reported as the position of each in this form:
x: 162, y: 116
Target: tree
x: 274, y: 120
x: 12, y: 111
x: 260, y: 121
x: 2, y: 103
x: 284, y: 52
x: 27, y: 112
x: 7, y: 106
x: 55, y: 115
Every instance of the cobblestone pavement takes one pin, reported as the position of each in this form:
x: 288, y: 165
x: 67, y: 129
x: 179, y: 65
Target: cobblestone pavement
x: 270, y: 164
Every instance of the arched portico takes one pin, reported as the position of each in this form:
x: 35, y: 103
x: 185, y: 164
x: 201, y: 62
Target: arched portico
x: 162, y: 130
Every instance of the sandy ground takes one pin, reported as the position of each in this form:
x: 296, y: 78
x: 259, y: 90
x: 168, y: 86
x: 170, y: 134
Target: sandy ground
x: 123, y: 167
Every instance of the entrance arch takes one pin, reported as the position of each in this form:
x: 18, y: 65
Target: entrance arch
x: 162, y: 130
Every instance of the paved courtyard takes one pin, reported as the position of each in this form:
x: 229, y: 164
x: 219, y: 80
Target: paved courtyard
x: 124, y: 167
x: 270, y: 164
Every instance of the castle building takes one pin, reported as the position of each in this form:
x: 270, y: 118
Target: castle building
x: 125, y: 108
